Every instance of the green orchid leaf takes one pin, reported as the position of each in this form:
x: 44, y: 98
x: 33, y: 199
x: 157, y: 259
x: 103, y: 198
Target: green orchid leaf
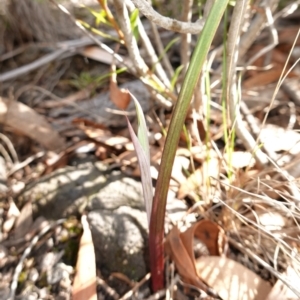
x: 142, y: 128
x: 144, y: 164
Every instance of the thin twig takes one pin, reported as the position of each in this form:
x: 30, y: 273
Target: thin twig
x: 130, y: 41
x: 292, y: 93
x: 27, y: 251
x: 283, y: 76
x: 157, y: 295
x: 5, y: 154
x: 207, y: 7
x: 140, y: 66
x: 34, y: 65
x: 26, y: 162
x: 265, y: 265
x: 171, y: 24
x: 257, y: 226
x: 130, y: 293
x: 255, y: 128
x: 31, y: 87
x: 274, y: 35
x: 160, y: 49
x: 158, y: 96
x: 10, y: 147
x: 287, y: 10
x: 61, y: 50
x: 14, y: 52
x: 111, y: 18
x: 148, y: 46
x: 108, y: 290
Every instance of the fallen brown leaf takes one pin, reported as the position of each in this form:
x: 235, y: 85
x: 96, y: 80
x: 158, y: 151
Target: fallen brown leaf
x: 211, y: 234
x: 24, y: 221
x: 265, y: 77
x: 84, y: 286
x: 101, y: 135
x: 183, y: 262
x: 120, y: 97
x: 179, y: 246
x: 231, y: 280
x: 25, y: 120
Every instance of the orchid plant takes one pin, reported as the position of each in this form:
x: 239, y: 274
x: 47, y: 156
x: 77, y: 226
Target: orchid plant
x: 156, y: 206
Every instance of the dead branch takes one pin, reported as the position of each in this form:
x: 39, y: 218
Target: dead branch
x: 171, y: 24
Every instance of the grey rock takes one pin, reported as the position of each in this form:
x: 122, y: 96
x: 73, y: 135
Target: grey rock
x: 120, y: 240
x: 72, y: 189
x: 59, y: 273
x: 120, y: 192
x: 66, y: 191
x: 49, y: 260
x: 120, y: 234
x: 117, y: 216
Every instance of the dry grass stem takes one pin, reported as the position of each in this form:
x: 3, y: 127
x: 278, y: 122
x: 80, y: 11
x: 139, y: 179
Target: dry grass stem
x: 207, y: 7
x: 111, y: 18
x: 130, y: 41
x: 10, y: 147
x: 197, y: 101
x: 32, y: 66
x: 5, y: 155
x: 255, y: 128
x: 148, y: 46
x: 265, y: 265
x: 160, y: 49
x: 185, y: 49
x: 256, y: 26
x: 232, y: 91
x: 270, y: 46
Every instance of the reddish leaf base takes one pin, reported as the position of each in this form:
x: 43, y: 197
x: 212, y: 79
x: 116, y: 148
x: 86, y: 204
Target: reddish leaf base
x: 156, y: 261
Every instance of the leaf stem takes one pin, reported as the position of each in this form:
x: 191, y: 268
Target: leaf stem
x: 178, y: 117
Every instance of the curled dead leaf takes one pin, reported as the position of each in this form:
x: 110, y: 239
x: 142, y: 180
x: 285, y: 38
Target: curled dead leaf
x: 120, y: 97
x: 180, y: 247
